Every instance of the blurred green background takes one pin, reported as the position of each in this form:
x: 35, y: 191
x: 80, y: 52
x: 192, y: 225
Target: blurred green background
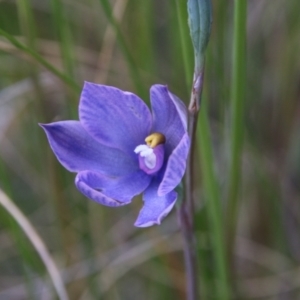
x: 48, y: 48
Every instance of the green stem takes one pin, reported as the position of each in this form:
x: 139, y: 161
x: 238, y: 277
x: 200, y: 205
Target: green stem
x: 237, y: 115
x: 185, y: 211
x: 189, y: 251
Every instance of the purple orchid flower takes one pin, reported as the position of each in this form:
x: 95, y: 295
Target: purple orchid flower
x: 119, y: 149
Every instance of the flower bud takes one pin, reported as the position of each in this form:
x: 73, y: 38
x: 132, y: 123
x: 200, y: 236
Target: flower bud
x: 200, y: 19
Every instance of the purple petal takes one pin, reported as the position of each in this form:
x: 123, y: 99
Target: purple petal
x: 169, y: 116
x: 155, y: 207
x: 115, y: 118
x: 175, y: 167
x: 77, y: 151
x: 111, y: 191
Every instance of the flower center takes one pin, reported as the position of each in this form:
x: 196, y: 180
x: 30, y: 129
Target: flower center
x: 151, y: 156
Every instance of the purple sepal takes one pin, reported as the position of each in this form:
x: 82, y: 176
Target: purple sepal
x: 77, y: 151
x: 155, y: 207
x: 111, y: 191
x: 113, y: 117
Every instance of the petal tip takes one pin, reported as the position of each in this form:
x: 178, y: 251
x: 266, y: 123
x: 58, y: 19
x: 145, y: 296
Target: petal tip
x: 89, y: 86
x: 43, y: 125
x: 88, y: 83
x: 147, y: 224
x: 159, y: 88
x: 46, y: 126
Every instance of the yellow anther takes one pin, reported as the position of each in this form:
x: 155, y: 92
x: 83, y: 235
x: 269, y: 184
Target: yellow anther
x: 155, y: 139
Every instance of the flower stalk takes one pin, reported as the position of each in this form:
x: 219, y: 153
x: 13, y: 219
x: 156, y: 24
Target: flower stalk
x: 186, y: 210
x: 200, y: 18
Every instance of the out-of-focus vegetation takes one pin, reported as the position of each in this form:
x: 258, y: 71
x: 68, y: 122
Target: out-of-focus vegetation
x: 48, y: 49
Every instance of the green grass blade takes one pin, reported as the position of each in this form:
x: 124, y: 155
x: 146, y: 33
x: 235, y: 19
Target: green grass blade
x: 237, y: 113
x: 37, y: 242
x: 26, y: 22
x: 126, y: 52
x: 66, y: 79
x: 214, y: 210
x: 184, y: 40
x: 65, y: 38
